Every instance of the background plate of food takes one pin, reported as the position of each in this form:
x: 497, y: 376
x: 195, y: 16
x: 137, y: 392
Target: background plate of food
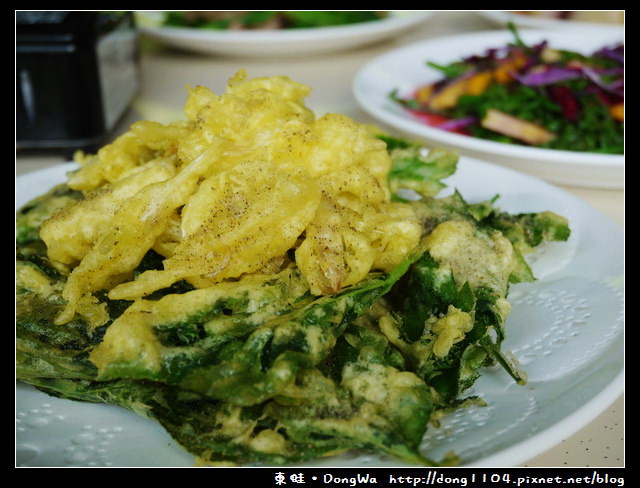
x: 267, y: 33
x: 388, y: 88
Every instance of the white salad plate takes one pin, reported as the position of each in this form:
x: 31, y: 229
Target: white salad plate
x: 566, y: 330
x: 405, y: 69
x: 282, y: 42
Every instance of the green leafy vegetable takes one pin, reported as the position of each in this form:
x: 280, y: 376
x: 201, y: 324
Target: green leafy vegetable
x: 258, y: 370
x: 267, y: 19
x: 417, y: 169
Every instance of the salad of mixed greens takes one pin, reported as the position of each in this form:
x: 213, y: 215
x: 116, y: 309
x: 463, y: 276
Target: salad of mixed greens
x: 268, y: 19
x: 260, y: 371
x: 532, y: 95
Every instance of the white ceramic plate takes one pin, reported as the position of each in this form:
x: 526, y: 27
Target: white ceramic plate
x: 566, y: 329
x: 285, y: 42
x: 502, y: 17
x: 405, y: 68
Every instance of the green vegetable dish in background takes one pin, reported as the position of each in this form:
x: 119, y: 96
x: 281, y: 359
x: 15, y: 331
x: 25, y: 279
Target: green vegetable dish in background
x: 265, y: 19
x: 533, y: 95
x: 259, y: 371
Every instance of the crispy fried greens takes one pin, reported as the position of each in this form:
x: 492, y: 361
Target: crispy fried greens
x: 258, y: 282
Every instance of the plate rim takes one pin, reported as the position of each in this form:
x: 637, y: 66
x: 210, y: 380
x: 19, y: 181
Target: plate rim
x: 554, y: 434
x: 503, y: 16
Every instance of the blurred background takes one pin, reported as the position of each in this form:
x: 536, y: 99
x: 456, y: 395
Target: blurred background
x: 83, y: 76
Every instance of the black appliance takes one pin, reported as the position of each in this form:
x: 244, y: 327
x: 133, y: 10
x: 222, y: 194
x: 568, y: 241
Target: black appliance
x: 77, y: 73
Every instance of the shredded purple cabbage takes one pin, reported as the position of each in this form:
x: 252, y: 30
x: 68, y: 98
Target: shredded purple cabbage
x: 548, y: 75
x: 457, y: 124
x: 616, y: 53
x: 616, y: 87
